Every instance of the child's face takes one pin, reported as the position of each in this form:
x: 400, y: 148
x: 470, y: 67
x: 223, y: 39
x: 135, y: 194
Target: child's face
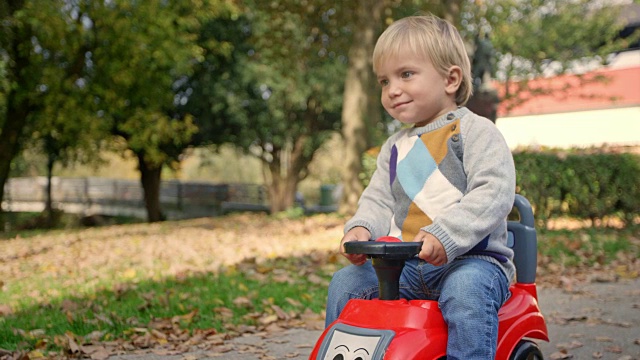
x: 413, y: 91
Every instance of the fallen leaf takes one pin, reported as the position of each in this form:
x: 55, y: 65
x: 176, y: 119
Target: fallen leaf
x: 293, y: 302
x: 268, y: 319
x: 603, y: 339
x: 614, y: 349
x: 280, y: 313
x: 35, y: 354
x: 5, y: 310
x: 71, y: 343
x: 190, y: 357
x: 243, y: 302
x: 568, y: 346
x: 560, y: 355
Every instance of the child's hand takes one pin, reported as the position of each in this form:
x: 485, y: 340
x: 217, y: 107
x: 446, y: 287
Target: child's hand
x: 432, y: 250
x: 356, y: 234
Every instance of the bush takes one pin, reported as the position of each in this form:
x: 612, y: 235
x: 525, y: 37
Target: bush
x: 585, y: 185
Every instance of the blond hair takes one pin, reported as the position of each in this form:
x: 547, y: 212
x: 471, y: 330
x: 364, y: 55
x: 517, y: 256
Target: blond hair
x: 428, y: 37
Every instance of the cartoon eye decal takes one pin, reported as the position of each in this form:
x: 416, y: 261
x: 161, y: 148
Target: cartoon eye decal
x: 340, y: 351
x: 359, y: 355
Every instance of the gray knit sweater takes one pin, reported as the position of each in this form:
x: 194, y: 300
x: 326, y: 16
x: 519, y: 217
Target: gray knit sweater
x: 453, y: 178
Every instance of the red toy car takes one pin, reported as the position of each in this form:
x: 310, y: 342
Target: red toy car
x: 391, y: 328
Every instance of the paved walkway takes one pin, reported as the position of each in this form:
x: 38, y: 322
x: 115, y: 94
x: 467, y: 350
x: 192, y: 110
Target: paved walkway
x: 593, y: 321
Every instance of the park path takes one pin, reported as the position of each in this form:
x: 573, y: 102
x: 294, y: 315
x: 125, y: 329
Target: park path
x: 599, y: 320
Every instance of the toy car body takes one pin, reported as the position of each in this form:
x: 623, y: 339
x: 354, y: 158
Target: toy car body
x: 402, y: 329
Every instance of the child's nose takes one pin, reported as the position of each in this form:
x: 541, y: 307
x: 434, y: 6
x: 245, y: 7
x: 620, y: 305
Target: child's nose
x: 394, y: 89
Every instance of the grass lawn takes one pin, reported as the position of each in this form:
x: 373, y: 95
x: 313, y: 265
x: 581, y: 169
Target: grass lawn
x: 140, y: 285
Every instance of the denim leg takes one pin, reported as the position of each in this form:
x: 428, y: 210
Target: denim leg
x: 351, y: 282
x: 472, y: 292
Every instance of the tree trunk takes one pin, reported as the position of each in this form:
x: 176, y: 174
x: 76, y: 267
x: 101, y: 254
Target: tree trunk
x: 48, y: 205
x: 356, y: 100
x: 286, y: 170
x: 150, y: 176
x: 18, y: 105
x: 282, y: 190
x: 10, y: 139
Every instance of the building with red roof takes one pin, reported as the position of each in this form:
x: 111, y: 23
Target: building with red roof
x: 596, y: 108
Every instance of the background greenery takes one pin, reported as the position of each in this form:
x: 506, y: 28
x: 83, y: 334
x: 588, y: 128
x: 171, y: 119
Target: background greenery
x: 151, y: 81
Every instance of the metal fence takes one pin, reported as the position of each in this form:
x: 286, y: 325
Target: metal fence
x: 179, y: 199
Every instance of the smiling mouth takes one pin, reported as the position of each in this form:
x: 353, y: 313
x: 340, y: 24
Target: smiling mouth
x: 395, y: 106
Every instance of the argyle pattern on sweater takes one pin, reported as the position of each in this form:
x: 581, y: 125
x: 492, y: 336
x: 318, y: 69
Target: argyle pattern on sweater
x: 426, y: 176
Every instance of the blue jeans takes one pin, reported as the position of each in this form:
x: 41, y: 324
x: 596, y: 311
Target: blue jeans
x: 469, y: 292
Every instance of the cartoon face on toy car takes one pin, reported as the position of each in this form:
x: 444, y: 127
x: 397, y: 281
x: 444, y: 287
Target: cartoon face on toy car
x: 350, y: 343
x: 345, y: 346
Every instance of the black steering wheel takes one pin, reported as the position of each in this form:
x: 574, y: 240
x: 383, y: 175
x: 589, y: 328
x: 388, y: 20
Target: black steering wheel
x: 388, y: 256
x: 384, y: 249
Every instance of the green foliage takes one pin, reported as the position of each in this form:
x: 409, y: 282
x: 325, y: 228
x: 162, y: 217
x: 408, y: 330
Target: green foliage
x: 141, y: 50
x: 88, y: 73
x: 582, y: 185
x: 295, y: 71
x: 281, y: 91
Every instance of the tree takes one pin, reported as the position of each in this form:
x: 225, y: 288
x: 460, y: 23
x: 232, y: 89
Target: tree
x: 127, y: 55
x: 141, y: 51
x: 286, y: 100
x: 42, y: 69
x: 20, y: 80
x: 65, y: 130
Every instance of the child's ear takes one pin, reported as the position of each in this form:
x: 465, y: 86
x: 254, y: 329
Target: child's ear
x: 453, y: 80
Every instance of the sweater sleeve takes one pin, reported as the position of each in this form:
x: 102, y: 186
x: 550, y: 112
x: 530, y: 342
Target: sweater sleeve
x: 489, y: 195
x: 375, y: 206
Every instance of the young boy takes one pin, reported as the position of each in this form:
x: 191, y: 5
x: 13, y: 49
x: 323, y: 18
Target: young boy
x: 448, y: 181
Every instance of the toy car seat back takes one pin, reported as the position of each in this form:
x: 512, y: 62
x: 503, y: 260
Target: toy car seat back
x: 525, y: 249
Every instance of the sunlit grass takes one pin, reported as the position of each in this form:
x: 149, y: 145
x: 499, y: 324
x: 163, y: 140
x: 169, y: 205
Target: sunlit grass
x: 218, y: 273
x: 119, y: 307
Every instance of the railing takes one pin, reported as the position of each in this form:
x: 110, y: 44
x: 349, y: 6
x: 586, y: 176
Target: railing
x: 179, y: 199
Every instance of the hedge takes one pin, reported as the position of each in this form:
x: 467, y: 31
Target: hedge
x: 587, y: 184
